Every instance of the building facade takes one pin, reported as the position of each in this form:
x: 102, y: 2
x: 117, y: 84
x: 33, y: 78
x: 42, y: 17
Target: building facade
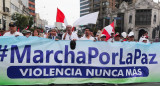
x: 32, y: 7
x: 58, y: 25
x: 84, y: 7
x: 17, y: 6
x: 141, y: 16
x: 118, y: 2
x: 40, y: 23
x: 5, y: 16
x: 25, y: 7
x: 25, y: 3
x: 103, y: 6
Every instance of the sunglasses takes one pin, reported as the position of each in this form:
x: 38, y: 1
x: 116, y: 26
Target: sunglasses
x: 11, y: 26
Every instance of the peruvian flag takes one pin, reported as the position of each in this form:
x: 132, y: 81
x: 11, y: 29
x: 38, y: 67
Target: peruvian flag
x: 61, y: 17
x: 108, y: 30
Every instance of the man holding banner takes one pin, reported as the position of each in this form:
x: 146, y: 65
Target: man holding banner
x: 87, y: 35
x: 13, y: 32
x: 69, y: 35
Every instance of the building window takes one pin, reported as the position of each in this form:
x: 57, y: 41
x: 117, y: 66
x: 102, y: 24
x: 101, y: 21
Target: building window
x: 143, y: 17
x: 32, y: 1
x: 154, y: 34
x: 154, y: 18
x: 84, y: 11
x: 14, y: 7
x: 84, y: 7
x: 130, y: 19
x: 32, y: 11
x: 84, y: 3
x: 105, y: 3
x: 96, y: 5
x: 96, y: 0
x: 30, y: 5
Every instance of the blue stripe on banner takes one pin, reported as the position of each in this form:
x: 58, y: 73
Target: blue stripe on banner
x: 76, y: 72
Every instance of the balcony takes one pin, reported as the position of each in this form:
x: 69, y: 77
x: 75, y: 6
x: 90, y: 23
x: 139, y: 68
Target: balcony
x: 7, y: 12
x: 33, y: 14
x: 31, y: 3
x: 31, y: 8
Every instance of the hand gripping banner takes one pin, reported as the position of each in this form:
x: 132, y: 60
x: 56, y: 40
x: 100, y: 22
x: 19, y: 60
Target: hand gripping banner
x: 33, y: 60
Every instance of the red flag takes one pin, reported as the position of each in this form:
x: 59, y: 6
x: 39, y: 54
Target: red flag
x: 108, y: 30
x: 61, y: 17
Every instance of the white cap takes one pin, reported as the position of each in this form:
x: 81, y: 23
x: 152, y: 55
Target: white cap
x: 131, y: 34
x: 144, y: 39
x: 103, y: 35
x: 112, y: 32
x: 99, y: 32
x: 124, y: 35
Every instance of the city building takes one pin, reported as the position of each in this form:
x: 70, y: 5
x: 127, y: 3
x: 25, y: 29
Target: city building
x: 32, y: 7
x: 58, y: 25
x: 118, y: 2
x: 25, y: 3
x: 25, y: 7
x: 84, y: 7
x: 19, y: 6
x: 5, y: 16
x: 141, y: 16
x: 40, y: 23
x: 104, y: 7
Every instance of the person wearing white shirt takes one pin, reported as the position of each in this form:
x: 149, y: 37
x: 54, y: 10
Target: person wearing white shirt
x: 144, y: 38
x: 69, y: 35
x: 87, y: 35
x: 145, y: 35
x: 112, y: 37
x: 13, y: 32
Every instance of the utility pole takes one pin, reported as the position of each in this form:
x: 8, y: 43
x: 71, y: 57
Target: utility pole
x: 4, y: 6
x: 3, y: 21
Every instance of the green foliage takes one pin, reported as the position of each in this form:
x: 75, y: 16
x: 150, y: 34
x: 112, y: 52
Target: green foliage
x: 31, y: 21
x: 22, y: 21
x: 118, y: 29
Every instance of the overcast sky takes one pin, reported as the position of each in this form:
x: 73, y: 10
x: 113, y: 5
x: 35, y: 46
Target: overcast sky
x: 48, y: 9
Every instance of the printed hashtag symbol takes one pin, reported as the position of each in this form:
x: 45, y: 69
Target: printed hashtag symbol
x: 3, y: 52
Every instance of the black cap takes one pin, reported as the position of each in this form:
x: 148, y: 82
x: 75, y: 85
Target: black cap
x: 103, y: 36
x: 88, y: 28
x: 12, y: 24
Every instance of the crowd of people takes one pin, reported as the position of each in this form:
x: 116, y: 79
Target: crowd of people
x: 71, y: 35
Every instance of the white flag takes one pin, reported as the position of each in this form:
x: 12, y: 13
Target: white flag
x: 87, y: 19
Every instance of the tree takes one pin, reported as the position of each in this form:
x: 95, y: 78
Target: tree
x: 22, y: 21
x: 31, y: 21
